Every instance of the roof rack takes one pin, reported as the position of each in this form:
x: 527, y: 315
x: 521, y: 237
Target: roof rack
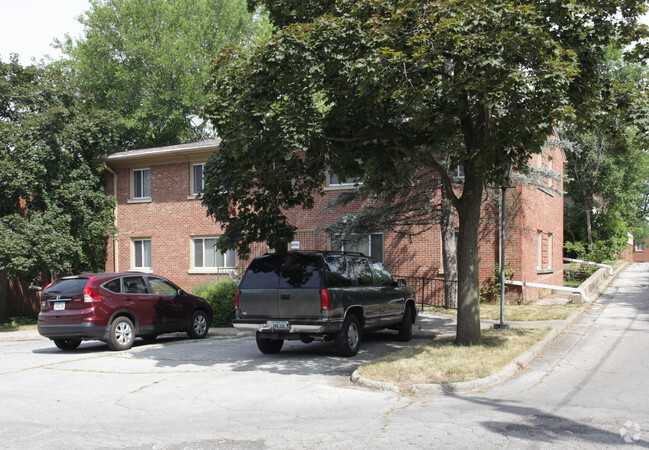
x: 326, y: 252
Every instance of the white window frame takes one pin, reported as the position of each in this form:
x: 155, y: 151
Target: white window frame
x: 142, y: 184
x: 380, y: 257
x: 549, y: 251
x: 144, y: 258
x: 458, y: 172
x: 539, y: 250
x: 639, y: 246
x: 346, y: 184
x: 192, y: 179
x: 229, y: 255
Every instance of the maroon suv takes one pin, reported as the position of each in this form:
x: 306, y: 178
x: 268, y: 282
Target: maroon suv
x: 117, y: 307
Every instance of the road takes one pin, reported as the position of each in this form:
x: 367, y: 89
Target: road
x: 588, y: 389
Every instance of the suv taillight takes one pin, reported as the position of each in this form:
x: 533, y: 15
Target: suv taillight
x: 90, y: 296
x: 324, y: 300
x: 236, y: 300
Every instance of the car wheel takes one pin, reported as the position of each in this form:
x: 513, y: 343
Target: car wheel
x: 198, y: 325
x: 67, y: 343
x: 405, y: 327
x: 267, y: 345
x: 348, y: 340
x: 122, y: 334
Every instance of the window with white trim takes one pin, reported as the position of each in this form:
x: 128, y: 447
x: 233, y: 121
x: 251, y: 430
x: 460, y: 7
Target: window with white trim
x: 639, y: 246
x: 335, y: 180
x: 141, y: 253
x: 206, y: 256
x: 549, y: 264
x: 458, y: 172
x: 367, y: 244
x: 198, y: 178
x: 141, y: 183
x: 539, y: 250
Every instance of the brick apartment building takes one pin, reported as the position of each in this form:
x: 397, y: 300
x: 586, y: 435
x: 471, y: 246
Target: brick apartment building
x: 163, y: 228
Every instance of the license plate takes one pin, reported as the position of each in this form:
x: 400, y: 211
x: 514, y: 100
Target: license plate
x: 278, y: 325
x: 59, y: 306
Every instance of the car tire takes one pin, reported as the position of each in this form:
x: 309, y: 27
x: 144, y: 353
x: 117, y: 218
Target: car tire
x: 198, y: 325
x: 122, y: 334
x: 405, y: 327
x: 267, y: 345
x: 67, y: 343
x: 348, y: 340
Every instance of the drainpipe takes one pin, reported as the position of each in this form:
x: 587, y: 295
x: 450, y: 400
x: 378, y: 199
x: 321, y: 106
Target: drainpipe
x: 115, y: 249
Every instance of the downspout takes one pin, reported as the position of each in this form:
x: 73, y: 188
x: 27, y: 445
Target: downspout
x: 115, y: 249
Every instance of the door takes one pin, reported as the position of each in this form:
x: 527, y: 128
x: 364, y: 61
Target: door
x: 391, y: 297
x: 171, y: 307
x: 365, y: 293
x: 136, y: 298
x: 299, y: 287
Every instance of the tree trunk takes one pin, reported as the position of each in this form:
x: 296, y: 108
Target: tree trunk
x: 449, y: 253
x: 4, y: 297
x: 468, y: 312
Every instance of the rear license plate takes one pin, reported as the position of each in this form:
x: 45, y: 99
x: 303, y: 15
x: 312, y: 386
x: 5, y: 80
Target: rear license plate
x: 278, y: 325
x: 59, y: 306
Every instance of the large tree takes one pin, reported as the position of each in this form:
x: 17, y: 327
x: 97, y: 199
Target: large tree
x: 54, y: 215
x: 372, y: 88
x: 607, y: 165
x: 149, y: 61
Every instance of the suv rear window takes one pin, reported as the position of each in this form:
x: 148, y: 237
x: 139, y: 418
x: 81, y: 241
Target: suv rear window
x: 66, y: 287
x: 300, y: 271
x: 283, y: 271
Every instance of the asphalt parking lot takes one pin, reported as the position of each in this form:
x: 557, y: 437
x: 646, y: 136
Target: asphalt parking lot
x: 177, y: 391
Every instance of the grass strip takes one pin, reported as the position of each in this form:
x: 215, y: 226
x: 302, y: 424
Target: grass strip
x: 441, y: 361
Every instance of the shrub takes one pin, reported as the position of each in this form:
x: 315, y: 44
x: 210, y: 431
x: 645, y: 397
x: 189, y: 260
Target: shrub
x: 220, y: 296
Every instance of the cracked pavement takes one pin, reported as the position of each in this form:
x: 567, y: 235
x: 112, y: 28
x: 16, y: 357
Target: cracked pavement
x: 587, y: 390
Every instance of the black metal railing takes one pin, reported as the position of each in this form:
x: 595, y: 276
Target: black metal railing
x: 428, y: 291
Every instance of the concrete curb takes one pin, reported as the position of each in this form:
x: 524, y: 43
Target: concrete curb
x: 481, y: 384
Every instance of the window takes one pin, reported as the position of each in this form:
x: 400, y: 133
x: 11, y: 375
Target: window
x: 381, y: 275
x: 544, y: 252
x: 142, y: 183
x: 539, y: 250
x: 134, y: 285
x: 334, y: 180
x: 207, y: 256
x: 367, y: 244
x: 142, y: 253
x: 362, y: 271
x: 458, y: 173
x: 198, y: 180
x: 639, y: 246
x: 338, y: 271
x: 162, y: 287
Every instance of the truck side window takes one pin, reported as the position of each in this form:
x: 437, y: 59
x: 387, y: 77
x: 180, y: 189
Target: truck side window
x: 339, y: 272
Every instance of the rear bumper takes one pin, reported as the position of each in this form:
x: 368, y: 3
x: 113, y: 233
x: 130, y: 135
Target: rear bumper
x: 295, y: 327
x: 82, y: 330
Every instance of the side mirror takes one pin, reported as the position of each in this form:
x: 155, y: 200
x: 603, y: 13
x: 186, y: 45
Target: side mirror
x: 401, y: 283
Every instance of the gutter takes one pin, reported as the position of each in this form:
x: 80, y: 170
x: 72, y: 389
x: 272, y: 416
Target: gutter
x: 115, y: 249
x: 549, y: 286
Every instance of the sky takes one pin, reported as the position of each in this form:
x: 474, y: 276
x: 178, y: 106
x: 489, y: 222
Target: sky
x: 28, y: 27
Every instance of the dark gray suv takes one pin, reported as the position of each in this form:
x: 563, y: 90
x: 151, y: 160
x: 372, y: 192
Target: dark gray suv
x: 328, y: 296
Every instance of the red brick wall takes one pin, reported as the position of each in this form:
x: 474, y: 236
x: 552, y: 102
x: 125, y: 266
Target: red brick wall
x: 643, y: 255
x: 170, y: 219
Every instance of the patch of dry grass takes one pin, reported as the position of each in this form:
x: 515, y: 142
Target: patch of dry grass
x: 441, y: 361
x: 517, y: 313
